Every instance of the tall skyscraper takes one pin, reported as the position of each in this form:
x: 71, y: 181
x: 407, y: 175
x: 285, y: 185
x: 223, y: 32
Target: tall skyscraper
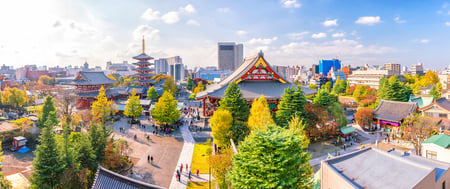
x: 230, y: 55
x: 172, y: 66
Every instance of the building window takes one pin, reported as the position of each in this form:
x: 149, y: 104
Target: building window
x: 443, y: 116
x: 431, y: 154
x: 428, y: 114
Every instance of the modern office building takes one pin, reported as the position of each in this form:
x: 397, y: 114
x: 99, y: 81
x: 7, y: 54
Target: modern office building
x: 326, y: 65
x: 161, y: 66
x: 417, y: 69
x: 211, y: 73
x: 230, y: 55
x: 370, y: 77
x: 392, y: 66
x: 175, y: 67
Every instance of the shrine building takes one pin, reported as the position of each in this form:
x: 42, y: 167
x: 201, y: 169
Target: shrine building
x: 255, y: 77
x: 87, y: 86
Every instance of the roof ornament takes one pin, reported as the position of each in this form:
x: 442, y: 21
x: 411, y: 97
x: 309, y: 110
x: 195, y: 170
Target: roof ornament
x: 260, y: 53
x: 143, y: 45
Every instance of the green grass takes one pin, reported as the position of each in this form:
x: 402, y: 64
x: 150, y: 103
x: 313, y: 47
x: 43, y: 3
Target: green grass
x: 200, y: 159
x: 197, y: 185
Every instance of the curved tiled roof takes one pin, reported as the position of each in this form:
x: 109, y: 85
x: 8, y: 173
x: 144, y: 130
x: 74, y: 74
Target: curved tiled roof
x: 143, y: 56
x: 393, y: 110
x: 109, y: 179
x: 91, y: 78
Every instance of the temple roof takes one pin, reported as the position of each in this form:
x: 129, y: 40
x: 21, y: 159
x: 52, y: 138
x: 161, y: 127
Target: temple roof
x: 254, y: 89
x: 143, y: 69
x: 393, y: 110
x: 108, y: 179
x: 139, y: 89
x: 91, y: 78
x: 441, y: 102
x: 143, y: 56
x: 271, y: 87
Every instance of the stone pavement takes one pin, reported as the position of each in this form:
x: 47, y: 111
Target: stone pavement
x: 185, y: 157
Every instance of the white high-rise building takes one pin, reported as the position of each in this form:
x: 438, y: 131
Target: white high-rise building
x: 172, y: 66
x: 230, y: 55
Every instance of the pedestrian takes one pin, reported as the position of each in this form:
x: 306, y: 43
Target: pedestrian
x: 198, y: 172
x: 190, y: 173
x: 187, y: 166
x: 148, y: 159
x: 178, y: 178
x: 151, y: 159
x: 181, y: 170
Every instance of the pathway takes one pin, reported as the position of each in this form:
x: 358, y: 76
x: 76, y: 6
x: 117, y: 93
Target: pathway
x: 185, y: 157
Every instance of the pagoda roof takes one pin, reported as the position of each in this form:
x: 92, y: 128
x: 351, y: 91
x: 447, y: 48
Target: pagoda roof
x: 91, y: 78
x: 271, y: 87
x: 142, y: 63
x: 143, y: 68
x: 144, y: 81
x: 109, y: 179
x: 145, y: 75
x: 143, y: 56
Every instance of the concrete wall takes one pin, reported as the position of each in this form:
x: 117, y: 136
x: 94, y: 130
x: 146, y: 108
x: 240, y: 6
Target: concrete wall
x: 442, y: 154
x: 330, y: 178
x: 429, y: 182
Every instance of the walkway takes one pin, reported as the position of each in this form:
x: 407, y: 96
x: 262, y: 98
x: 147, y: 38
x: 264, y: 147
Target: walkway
x: 185, y: 157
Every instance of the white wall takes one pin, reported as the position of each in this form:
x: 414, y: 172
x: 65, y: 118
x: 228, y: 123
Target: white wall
x: 442, y: 153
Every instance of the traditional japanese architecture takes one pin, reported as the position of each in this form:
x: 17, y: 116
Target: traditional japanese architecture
x: 255, y: 77
x: 390, y: 114
x: 143, y: 70
x: 440, y: 108
x: 87, y: 86
x: 109, y: 179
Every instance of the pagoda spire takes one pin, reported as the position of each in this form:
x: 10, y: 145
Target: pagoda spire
x: 143, y: 45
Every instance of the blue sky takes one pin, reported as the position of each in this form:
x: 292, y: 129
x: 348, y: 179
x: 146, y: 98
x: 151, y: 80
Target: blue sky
x: 290, y: 32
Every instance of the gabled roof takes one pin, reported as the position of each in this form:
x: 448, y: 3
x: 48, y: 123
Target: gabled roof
x: 440, y: 140
x: 108, y: 179
x: 272, y: 88
x: 393, y: 110
x: 91, y: 78
x: 441, y: 102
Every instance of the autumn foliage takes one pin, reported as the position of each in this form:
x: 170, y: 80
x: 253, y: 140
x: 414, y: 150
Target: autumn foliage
x: 364, y: 116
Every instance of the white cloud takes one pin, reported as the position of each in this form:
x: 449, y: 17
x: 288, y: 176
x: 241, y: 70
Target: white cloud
x: 171, y: 17
x: 241, y: 32
x: 397, y: 19
x: 188, y: 9
x: 224, y: 10
x: 192, y: 22
x: 447, y: 23
x: 147, y: 31
x: 266, y: 41
x: 150, y: 15
x: 319, y: 35
x: 368, y: 20
x: 290, y: 4
x: 297, y: 36
x: 338, y: 35
x: 424, y: 41
x: 329, y: 23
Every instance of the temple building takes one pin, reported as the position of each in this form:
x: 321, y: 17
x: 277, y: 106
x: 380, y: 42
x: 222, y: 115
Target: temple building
x: 255, y: 77
x: 87, y: 85
x: 143, y: 70
x: 390, y: 114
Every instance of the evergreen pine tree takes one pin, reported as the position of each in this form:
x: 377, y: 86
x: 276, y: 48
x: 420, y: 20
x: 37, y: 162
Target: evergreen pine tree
x: 234, y: 103
x: 47, y: 166
x: 292, y: 103
x: 48, y: 113
x: 189, y: 83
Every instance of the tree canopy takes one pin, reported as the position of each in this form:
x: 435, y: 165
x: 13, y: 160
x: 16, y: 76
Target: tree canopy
x: 292, y: 103
x: 260, y: 114
x: 220, y: 124
x: 48, y: 113
x: 234, y: 103
x: 170, y: 85
x: 152, y: 94
x: 133, y: 107
x: 272, y: 157
x: 102, y: 108
x: 394, y: 90
x: 166, y: 111
x: 189, y: 83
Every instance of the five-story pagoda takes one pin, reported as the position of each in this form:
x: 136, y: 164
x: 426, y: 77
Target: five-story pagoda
x: 143, y: 70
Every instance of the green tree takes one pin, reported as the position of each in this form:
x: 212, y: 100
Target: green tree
x: 86, y: 155
x: 239, y: 130
x: 234, y: 103
x: 47, y: 166
x: 98, y: 139
x: 189, y: 83
x: 3, y: 182
x: 292, y: 103
x: 48, y: 113
x: 260, y: 114
x: 220, y: 124
x: 133, y: 107
x: 395, y: 90
x: 338, y: 115
x: 360, y: 92
x: 166, y: 111
x: 312, y: 86
x: 434, y: 92
x: 152, y: 94
x: 323, y: 99
x: 439, y: 87
x: 272, y: 158
x: 169, y: 85
x: 327, y: 86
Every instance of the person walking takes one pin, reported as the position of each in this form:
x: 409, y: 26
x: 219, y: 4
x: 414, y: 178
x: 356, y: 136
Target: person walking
x: 198, y: 172
x: 190, y: 173
x: 151, y: 159
x: 148, y: 159
x: 187, y: 166
x: 181, y: 170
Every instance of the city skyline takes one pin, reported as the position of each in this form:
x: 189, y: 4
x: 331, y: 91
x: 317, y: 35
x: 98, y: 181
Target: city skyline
x: 290, y: 32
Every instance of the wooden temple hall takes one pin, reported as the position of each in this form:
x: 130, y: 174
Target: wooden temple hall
x: 255, y: 77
